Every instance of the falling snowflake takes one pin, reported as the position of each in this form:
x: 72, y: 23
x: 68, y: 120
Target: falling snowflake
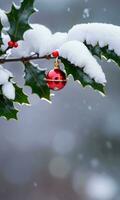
x: 86, y: 13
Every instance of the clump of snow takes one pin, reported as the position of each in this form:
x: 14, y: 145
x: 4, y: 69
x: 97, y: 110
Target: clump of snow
x: 38, y: 38
x: 8, y: 90
x: 4, y: 76
x: 5, y: 40
x: 78, y: 54
x: 56, y: 40
x: 9, y: 73
x: 23, y: 49
x: 3, y: 17
x: 93, y: 33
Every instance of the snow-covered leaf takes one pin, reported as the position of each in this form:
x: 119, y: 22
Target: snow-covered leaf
x: 1, y: 41
x: 1, y: 26
x: 10, y: 93
x: 79, y: 55
x: 103, y: 40
x: 97, y: 33
x: 79, y: 75
x: 104, y: 52
x: 18, y: 19
x: 34, y: 77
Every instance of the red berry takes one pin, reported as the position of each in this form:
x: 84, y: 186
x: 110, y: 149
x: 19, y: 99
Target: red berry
x: 55, y: 54
x: 56, y: 79
x: 15, y: 44
x: 11, y: 44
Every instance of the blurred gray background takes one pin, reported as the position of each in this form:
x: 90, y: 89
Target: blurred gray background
x: 70, y: 149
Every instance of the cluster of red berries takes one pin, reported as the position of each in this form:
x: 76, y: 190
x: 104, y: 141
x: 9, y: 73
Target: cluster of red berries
x: 55, y: 54
x: 12, y: 44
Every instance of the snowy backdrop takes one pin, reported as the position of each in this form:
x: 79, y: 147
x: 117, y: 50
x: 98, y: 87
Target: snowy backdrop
x: 67, y: 150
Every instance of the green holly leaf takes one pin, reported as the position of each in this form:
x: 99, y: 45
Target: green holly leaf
x: 1, y: 51
x: 79, y: 75
x: 35, y: 78
x: 18, y: 18
x: 20, y: 96
x: 7, y: 109
x: 1, y: 41
x: 1, y: 27
x: 104, y: 52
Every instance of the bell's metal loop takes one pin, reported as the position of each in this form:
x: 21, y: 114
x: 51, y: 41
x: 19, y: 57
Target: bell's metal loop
x: 56, y: 64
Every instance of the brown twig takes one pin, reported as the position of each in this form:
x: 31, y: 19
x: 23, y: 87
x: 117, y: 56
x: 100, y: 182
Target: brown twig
x: 24, y: 59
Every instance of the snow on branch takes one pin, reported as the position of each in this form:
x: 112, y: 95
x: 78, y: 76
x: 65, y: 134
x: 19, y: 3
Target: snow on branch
x: 71, y: 46
x: 39, y: 40
x: 97, y: 33
x: 78, y: 54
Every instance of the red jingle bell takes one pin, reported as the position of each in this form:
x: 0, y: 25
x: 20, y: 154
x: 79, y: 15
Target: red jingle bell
x: 56, y: 78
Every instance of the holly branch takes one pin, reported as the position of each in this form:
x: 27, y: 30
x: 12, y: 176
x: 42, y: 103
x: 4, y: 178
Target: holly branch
x: 24, y: 59
x: 75, y: 55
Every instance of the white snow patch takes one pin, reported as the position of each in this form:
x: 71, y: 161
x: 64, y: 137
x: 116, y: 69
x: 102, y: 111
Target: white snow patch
x: 9, y: 73
x: 8, y: 90
x: 37, y: 39
x: 101, y: 33
x: 4, y: 76
x: 56, y: 40
x: 23, y: 49
x: 3, y: 17
x: 78, y: 54
x: 5, y: 39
